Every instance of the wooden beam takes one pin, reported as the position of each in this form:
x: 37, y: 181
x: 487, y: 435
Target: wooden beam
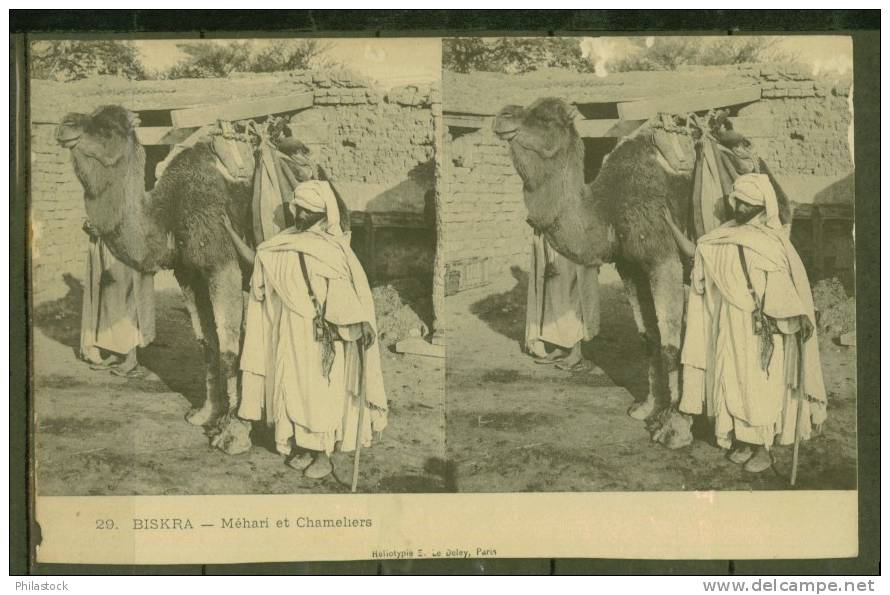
x: 687, y: 102
x: 466, y: 121
x: 586, y: 128
x: 606, y: 128
x: 198, y: 116
x: 162, y: 135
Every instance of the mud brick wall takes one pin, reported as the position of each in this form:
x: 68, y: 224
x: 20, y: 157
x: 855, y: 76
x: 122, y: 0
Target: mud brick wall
x: 483, y: 209
x: 802, y: 123
x: 57, y: 214
x: 378, y: 144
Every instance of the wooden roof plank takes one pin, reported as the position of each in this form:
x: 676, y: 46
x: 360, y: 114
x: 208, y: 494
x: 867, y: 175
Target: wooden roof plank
x: 606, y: 128
x: 199, y: 116
x: 466, y: 120
x: 687, y: 102
x: 162, y: 135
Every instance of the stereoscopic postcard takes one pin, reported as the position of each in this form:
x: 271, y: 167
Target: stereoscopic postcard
x: 377, y: 298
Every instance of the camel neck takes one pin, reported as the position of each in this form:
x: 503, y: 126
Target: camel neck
x: 561, y: 205
x: 119, y: 207
x: 580, y: 230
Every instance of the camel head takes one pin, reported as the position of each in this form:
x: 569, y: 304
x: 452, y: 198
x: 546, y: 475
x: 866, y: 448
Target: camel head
x: 542, y: 139
x: 98, y: 143
x: 548, y: 155
x: 103, y: 134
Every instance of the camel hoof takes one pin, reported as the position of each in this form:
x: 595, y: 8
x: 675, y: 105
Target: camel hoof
x: 674, y: 431
x: 234, y: 437
x: 202, y: 416
x: 644, y: 410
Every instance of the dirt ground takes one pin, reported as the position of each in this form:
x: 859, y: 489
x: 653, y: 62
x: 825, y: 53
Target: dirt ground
x: 513, y: 425
x: 98, y: 434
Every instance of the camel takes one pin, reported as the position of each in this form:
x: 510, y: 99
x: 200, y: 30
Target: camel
x: 617, y: 218
x: 178, y: 225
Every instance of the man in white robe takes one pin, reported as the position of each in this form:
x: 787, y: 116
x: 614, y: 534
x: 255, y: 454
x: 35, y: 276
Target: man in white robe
x: 118, y: 312
x: 750, y: 353
x: 307, y: 378
x: 562, y: 308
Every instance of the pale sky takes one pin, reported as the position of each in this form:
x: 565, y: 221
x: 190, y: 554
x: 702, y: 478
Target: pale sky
x: 389, y: 61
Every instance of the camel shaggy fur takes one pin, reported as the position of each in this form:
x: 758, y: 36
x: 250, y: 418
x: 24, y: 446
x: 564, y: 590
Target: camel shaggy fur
x: 617, y: 218
x: 177, y: 225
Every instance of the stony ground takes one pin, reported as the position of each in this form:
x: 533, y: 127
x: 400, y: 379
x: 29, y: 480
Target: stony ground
x: 99, y: 434
x: 513, y: 425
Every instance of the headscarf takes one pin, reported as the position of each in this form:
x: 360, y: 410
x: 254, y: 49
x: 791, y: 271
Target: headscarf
x: 757, y: 190
x: 317, y: 196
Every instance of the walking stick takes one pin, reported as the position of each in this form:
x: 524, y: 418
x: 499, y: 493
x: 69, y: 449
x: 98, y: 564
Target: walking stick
x: 800, y: 401
x: 361, y: 415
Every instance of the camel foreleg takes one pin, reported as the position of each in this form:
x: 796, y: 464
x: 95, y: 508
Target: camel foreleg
x: 197, y: 303
x: 671, y: 428
x: 633, y: 287
x: 227, y: 301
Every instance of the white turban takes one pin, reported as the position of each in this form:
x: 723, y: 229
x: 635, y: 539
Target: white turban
x: 317, y: 196
x: 757, y: 190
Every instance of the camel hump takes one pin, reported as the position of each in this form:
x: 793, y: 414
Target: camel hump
x: 235, y: 155
x: 676, y: 148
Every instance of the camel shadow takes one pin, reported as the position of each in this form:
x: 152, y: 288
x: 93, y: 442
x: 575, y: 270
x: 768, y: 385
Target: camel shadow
x: 504, y: 313
x: 175, y: 356
x: 60, y: 319
x: 617, y: 350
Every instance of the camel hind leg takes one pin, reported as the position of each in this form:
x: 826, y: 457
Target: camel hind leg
x: 227, y: 302
x: 197, y: 302
x: 666, y: 279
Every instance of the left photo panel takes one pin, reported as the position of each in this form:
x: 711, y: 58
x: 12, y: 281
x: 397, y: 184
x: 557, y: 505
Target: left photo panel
x: 236, y: 280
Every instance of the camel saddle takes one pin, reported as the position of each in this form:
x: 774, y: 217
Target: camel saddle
x: 672, y: 141
x: 715, y: 159
x: 234, y: 151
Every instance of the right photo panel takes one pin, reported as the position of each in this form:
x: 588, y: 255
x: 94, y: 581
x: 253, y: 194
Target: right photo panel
x: 649, y: 249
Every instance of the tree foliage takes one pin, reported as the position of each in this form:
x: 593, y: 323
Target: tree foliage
x: 75, y: 59
x: 667, y: 53
x: 299, y: 54
x: 209, y: 60
x: 518, y: 55
x: 670, y: 53
x: 464, y: 54
x: 513, y: 55
x: 219, y: 59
